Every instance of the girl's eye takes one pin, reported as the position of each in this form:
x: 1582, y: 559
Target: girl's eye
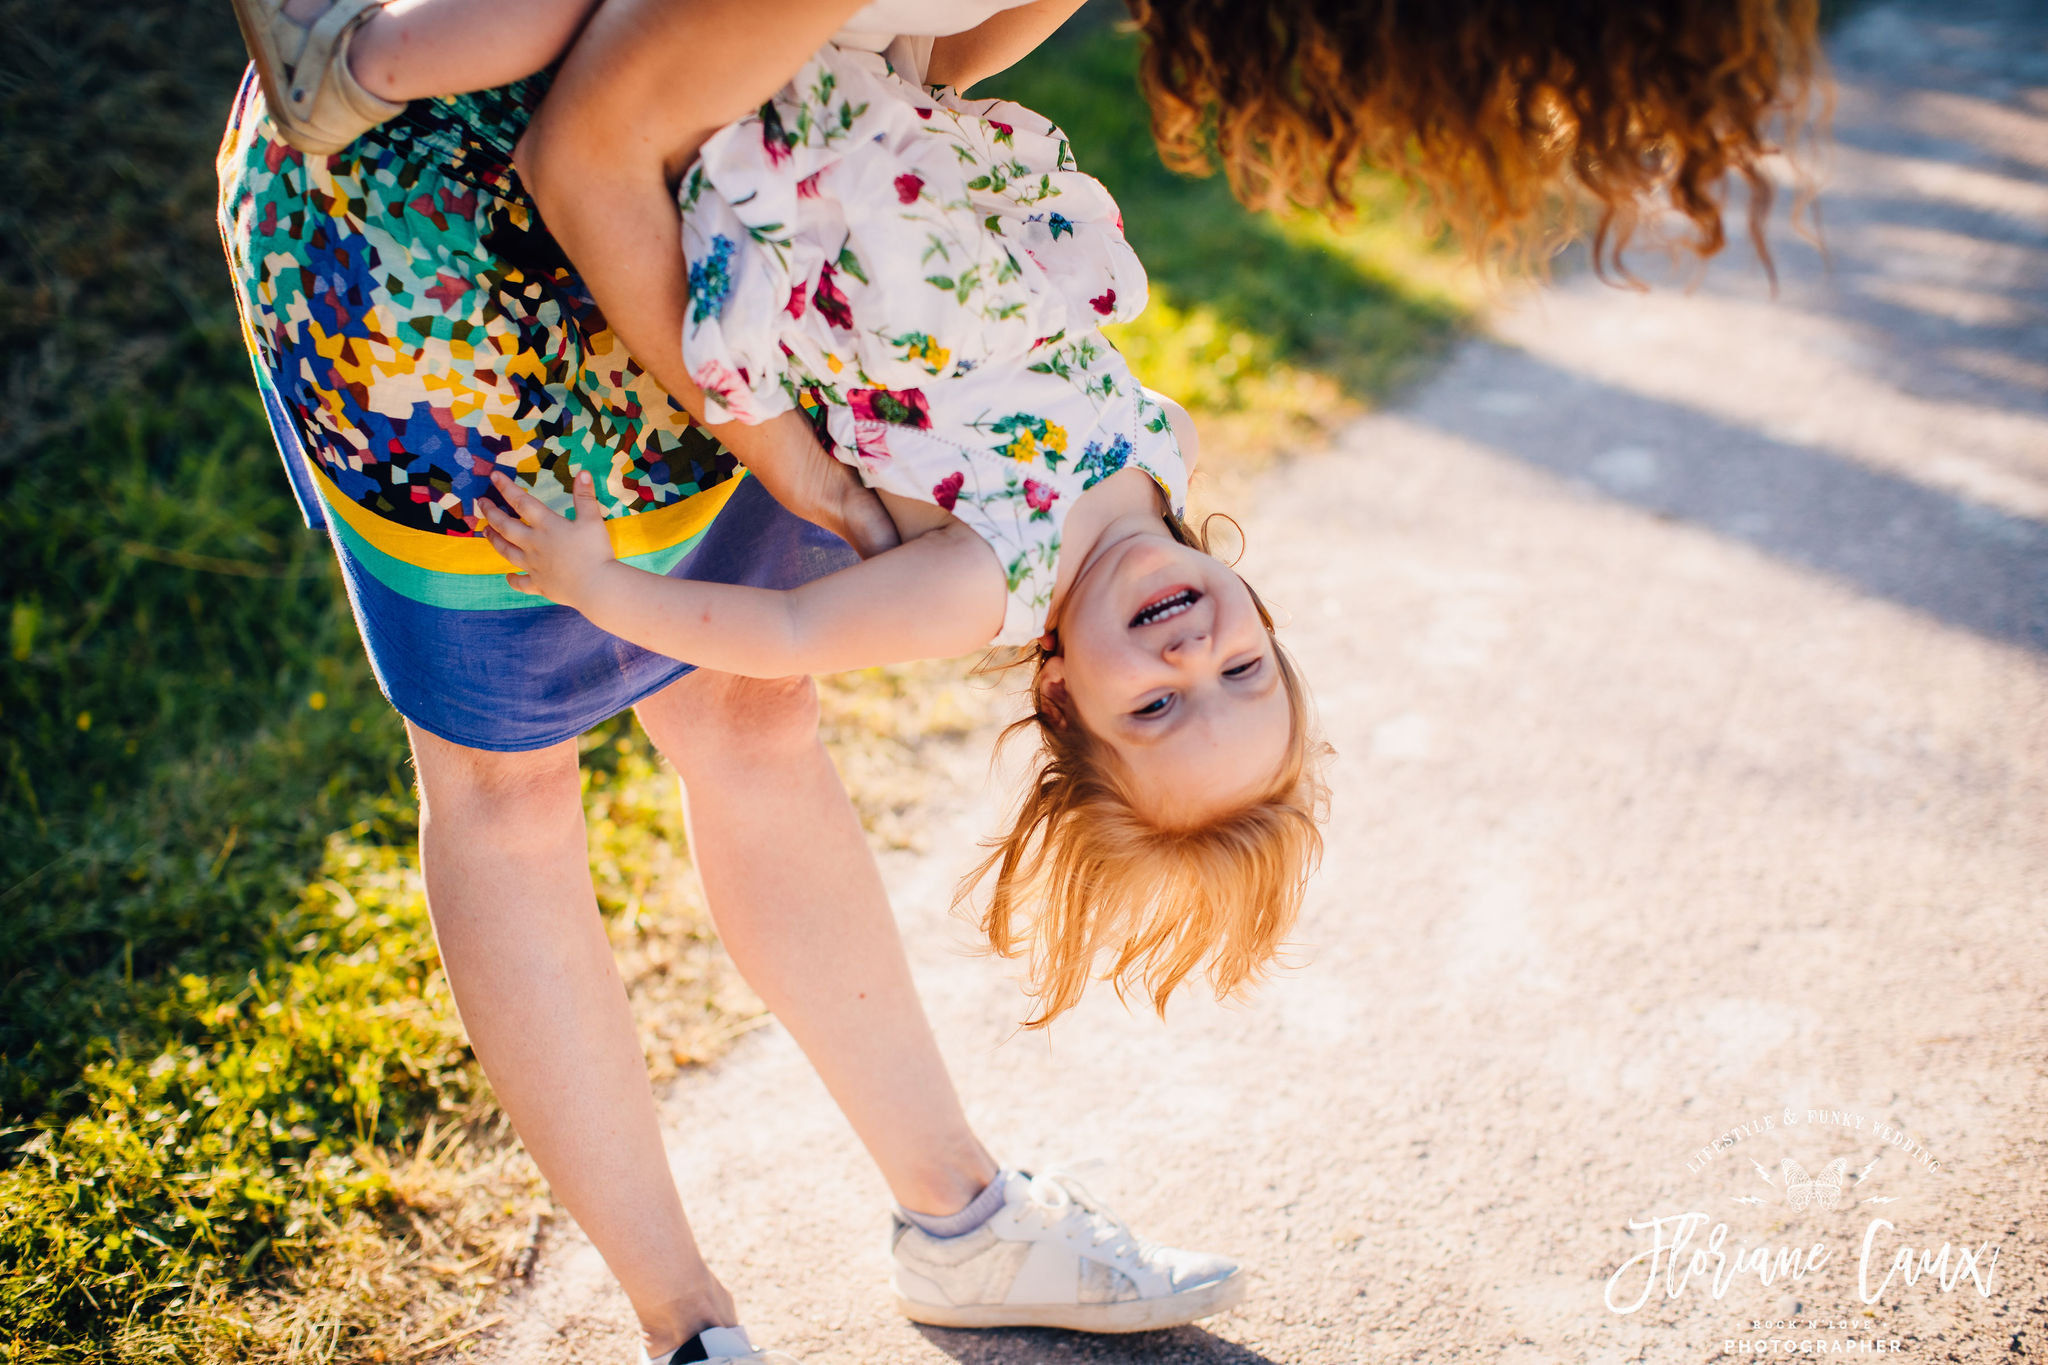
x: 1243, y: 670
x: 1154, y: 707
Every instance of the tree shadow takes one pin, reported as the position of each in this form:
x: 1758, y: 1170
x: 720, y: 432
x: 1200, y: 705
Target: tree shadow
x: 1946, y: 339
x: 1963, y: 562
x: 1940, y: 234
x: 1948, y: 299
x: 1933, y: 284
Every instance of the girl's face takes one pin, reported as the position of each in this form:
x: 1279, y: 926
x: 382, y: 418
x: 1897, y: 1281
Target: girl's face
x: 1163, y: 658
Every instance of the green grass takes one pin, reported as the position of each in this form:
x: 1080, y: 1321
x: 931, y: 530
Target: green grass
x: 222, y: 1030
x: 219, y: 1011
x: 210, y: 1005
x: 111, y: 278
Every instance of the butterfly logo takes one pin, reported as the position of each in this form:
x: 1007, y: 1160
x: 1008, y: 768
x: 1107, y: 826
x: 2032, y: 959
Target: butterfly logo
x: 1823, y: 1191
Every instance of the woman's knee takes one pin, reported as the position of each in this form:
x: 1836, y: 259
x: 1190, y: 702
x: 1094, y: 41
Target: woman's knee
x: 718, y: 717
x: 511, y: 791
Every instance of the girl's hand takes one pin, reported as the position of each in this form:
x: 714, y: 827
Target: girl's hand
x: 559, y: 559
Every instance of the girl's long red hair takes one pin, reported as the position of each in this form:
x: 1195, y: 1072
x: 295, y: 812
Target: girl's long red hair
x: 1082, y: 885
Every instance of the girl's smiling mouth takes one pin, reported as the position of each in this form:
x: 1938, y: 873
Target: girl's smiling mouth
x: 1165, y: 606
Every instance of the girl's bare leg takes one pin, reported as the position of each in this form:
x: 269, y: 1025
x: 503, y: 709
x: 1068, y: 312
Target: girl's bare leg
x: 800, y: 906
x: 413, y: 49
x: 508, y: 883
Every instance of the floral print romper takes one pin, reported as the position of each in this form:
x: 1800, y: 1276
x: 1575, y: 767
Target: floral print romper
x: 936, y: 272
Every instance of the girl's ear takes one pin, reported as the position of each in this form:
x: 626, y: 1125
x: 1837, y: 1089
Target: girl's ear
x: 1051, y: 688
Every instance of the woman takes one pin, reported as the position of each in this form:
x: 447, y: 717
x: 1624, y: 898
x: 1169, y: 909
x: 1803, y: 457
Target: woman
x: 415, y: 328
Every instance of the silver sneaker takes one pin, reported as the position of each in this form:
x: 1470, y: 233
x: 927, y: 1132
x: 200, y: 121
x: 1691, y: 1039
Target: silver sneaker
x: 1053, y: 1256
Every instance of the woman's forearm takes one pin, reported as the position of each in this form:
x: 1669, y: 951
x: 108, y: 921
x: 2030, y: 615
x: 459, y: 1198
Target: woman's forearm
x: 647, y: 83
x: 618, y: 224
x: 645, y: 86
x: 622, y: 231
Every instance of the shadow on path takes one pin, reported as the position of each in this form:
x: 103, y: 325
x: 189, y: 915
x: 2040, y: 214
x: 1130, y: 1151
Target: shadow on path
x: 1934, y: 289
x: 1047, y: 1346
x: 1966, y: 563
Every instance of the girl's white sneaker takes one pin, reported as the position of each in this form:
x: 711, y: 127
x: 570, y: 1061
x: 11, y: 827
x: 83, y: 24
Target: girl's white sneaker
x: 721, y: 1346
x: 1053, y: 1256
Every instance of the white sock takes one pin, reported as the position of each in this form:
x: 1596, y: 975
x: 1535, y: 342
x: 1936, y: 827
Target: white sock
x: 979, y: 1210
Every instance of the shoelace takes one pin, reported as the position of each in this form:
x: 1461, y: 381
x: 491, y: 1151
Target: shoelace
x: 1057, y: 1196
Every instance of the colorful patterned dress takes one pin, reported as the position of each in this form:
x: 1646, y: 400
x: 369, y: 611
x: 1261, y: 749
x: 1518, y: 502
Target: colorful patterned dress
x: 935, y: 272
x: 414, y: 327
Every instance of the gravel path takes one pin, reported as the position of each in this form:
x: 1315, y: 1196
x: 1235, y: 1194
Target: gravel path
x: 1687, y: 657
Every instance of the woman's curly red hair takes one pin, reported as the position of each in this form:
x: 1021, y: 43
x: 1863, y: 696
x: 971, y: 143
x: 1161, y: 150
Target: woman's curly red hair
x: 1489, y: 107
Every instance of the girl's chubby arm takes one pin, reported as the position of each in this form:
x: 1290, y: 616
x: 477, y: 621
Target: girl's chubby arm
x: 997, y: 43
x: 646, y: 84
x: 938, y: 595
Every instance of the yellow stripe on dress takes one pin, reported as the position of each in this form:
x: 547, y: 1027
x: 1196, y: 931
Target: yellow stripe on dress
x: 638, y: 533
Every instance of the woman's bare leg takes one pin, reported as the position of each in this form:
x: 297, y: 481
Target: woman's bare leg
x: 508, y: 883
x: 800, y: 907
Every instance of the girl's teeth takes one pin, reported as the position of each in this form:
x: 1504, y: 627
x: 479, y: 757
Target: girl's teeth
x: 1167, y: 610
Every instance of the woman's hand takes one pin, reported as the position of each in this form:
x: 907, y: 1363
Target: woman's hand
x: 784, y: 454
x: 559, y: 559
